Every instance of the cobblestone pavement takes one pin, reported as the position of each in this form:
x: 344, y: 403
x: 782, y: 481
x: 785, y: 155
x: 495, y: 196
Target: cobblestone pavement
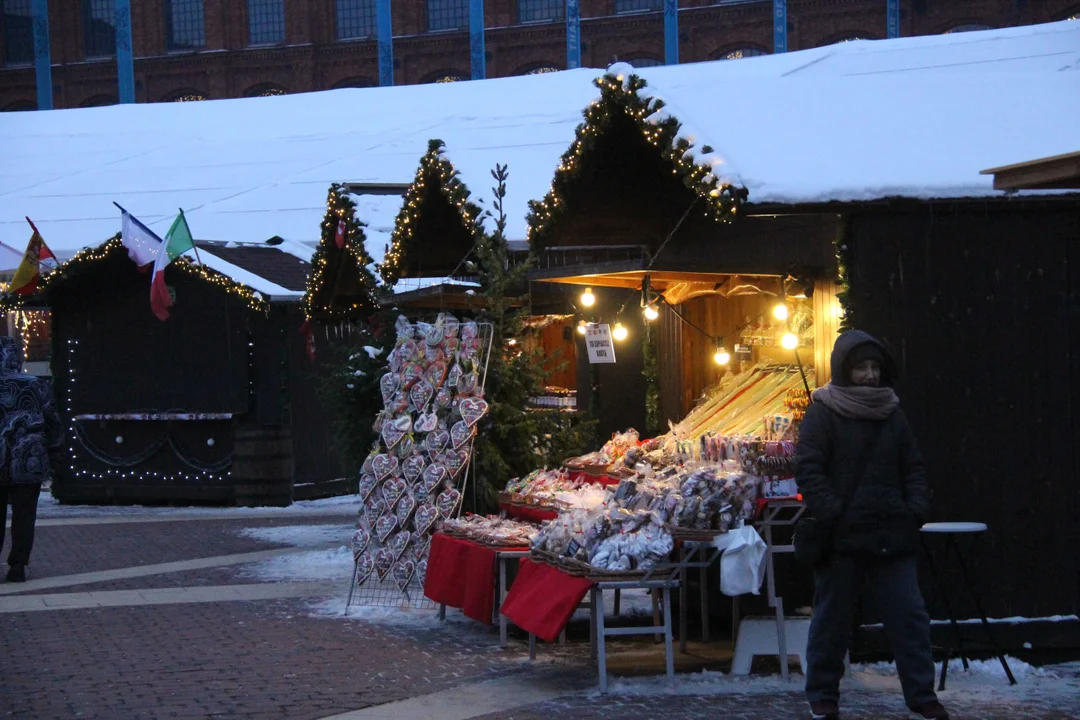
x: 276, y: 659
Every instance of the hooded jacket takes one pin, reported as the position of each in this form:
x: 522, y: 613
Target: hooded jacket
x: 892, y: 500
x: 31, y: 432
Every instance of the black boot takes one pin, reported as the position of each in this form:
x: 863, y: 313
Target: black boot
x: 17, y: 573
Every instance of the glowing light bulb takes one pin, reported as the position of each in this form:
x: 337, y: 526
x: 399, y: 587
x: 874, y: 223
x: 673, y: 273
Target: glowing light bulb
x: 790, y: 341
x: 780, y: 312
x: 512, y: 342
x: 650, y: 313
x: 722, y: 357
x: 587, y: 298
x: 581, y: 327
x: 620, y: 332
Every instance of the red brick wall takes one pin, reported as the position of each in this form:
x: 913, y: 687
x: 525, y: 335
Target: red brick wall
x: 311, y: 59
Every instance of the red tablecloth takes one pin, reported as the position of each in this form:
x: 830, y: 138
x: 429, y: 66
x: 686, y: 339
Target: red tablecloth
x: 542, y: 599
x: 594, y: 479
x: 529, y: 512
x: 461, y: 574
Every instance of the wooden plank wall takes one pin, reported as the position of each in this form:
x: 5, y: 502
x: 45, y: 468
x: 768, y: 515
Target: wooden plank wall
x: 981, y: 305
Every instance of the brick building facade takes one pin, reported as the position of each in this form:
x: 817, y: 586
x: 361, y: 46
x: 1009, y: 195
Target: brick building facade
x: 298, y: 47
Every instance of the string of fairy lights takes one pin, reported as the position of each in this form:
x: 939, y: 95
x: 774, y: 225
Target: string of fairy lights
x: 619, y: 93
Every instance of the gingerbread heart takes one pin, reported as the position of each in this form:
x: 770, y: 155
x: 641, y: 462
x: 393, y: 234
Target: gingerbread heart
x: 449, y: 324
x: 384, y: 560
x: 409, y: 352
x: 434, y: 474
x: 434, y: 353
x: 393, y: 489
x: 443, y: 398
x: 469, y: 350
x: 467, y: 383
x: 399, y: 543
x: 420, y: 493
x: 461, y: 433
x: 447, y: 502
x: 403, y: 573
x: 451, y: 347
x: 470, y: 330
x: 425, y: 517
x: 406, y: 447
x: 412, y: 467
x: 366, y: 486
x: 375, y: 510
x: 364, y: 565
x: 403, y: 327
x: 404, y: 509
x: 384, y: 466
x: 422, y: 329
x: 394, y: 360
x: 455, y: 461
x: 421, y: 394
x: 426, y: 422
x: 454, y: 375
x: 393, y: 431
x: 366, y: 468
x: 380, y: 420
x: 421, y: 571
x: 360, y: 540
x: 388, y: 385
x: 412, y: 372
x: 435, y: 334
x: 385, y: 526
x: 420, y: 546
x: 436, y: 442
x: 436, y: 373
x: 472, y: 409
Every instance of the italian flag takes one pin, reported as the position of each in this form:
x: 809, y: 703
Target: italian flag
x: 177, y: 241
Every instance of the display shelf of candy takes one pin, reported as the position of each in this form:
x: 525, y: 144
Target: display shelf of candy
x: 598, y: 463
x: 551, y: 489
x: 556, y: 397
x: 432, y: 402
x: 491, y: 531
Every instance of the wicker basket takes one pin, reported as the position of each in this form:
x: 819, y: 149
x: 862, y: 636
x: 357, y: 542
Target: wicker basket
x: 690, y: 535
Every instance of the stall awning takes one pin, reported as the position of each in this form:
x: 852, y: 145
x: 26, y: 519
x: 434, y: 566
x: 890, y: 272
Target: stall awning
x: 1059, y: 172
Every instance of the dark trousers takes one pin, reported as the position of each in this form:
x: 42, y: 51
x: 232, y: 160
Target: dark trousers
x: 895, y: 585
x: 24, y: 499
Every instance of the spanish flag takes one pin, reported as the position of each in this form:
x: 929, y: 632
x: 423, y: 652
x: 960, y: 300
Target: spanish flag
x: 26, y: 278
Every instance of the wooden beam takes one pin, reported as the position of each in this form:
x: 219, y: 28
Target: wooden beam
x: 1060, y: 172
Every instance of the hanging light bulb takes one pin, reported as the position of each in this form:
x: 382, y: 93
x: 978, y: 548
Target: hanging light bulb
x: 650, y: 312
x: 722, y: 356
x: 780, y: 312
x: 620, y: 332
x: 587, y: 298
x: 581, y: 327
x: 790, y: 341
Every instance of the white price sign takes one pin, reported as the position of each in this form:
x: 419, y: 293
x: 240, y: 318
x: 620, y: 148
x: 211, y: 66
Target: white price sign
x: 598, y: 341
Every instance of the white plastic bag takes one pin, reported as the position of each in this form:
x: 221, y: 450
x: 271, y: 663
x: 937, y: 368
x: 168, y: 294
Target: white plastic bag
x: 742, y: 566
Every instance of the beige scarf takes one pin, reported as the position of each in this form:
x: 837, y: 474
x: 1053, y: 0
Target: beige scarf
x: 858, y: 403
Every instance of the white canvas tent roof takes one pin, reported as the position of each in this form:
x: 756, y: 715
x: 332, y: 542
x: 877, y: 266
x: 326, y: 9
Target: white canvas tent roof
x: 917, y: 117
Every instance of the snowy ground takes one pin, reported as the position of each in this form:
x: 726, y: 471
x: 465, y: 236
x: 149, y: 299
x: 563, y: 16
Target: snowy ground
x: 48, y: 507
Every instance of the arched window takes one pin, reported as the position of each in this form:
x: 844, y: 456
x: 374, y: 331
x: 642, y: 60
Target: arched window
x: 643, y: 61
x: 535, y: 11
x: 187, y: 95
x: 968, y: 27
x: 1074, y: 16
x: 632, y: 6
x: 185, y: 27
x: 99, y: 28
x: 537, y: 69
x: 265, y: 90
x: 355, y: 19
x: 98, y: 101
x: 266, y: 22
x: 447, y: 15
x: 740, y: 53
x: 18, y: 24
x: 850, y: 38
x: 353, y: 82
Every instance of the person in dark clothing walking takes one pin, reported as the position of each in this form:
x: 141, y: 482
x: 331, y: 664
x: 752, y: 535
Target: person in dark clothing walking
x: 31, y: 435
x: 855, y: 422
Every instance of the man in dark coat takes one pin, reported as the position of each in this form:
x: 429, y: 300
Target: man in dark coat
x: 31, y: 436
x: 855, y: 422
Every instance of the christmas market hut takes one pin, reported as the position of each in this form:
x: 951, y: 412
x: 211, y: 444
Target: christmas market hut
x: 744, y: 242
x: 196, y: 408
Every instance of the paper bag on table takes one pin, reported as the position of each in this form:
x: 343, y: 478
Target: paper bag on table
x: 742, y: 565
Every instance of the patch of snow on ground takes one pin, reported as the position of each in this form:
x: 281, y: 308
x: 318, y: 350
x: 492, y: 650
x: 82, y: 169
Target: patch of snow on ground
x: 329, y: 564
x: 301, y: 535
x: 48, y: 507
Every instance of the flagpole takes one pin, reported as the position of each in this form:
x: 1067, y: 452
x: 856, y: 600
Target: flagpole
x: 193, y: 245
x: 32, y: 226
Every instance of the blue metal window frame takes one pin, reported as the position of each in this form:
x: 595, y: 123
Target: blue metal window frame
x: 266, y: 22
x: 635, y: 6
x: 539, y: 11
x: 447, y: 15
x: 355, y: 19
x: 18, y: 21
x: 185, y: 25
x: 99, y: 28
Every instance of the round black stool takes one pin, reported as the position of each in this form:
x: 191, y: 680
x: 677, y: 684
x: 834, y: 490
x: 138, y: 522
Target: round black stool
x: 951, y: 531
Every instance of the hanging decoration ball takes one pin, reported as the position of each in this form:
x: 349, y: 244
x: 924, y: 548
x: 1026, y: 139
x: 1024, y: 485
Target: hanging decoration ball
x: 581, y: 326
x: 210, y: 442
x: 119, y: 439
x: 651, y: 313
x: 790, y: 341
x: 780, y: 312
x: 587, y: 298
x: 620, y: 332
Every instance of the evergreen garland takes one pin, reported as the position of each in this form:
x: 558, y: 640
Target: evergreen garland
x: 845, y: 257
x: 318, y: 299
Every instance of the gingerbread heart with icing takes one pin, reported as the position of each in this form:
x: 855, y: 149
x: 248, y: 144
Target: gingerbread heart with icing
x: 366, y: 486
x: 461, y: 433
x: 398, y: 403
x: 385, y: 526
x: 419, y: 545
x: 421, y: 394
x: 425, y: 517
x: 366, y: 468
x: 469, y: 350
x: 364, y: 565
x: 455, y: 461
x: 394, y: 360
x: 449, y: 323
x: 434, y: 474
x: 384, y: 561
x: 377, y: 426
x: 470, y: 330
x: 436, y: 442
x: 403, y: 573
x: 405, y: 447
x: 421, y: 571
x: 434, y: 353
x: 454, y: 375
x: 384, y: 466
x: 447, y: 502
x: 396, y: 429
x: 388, y: 385
x: 411, y: 374
x: 403, y: 327
x: 360, y: 540
x: 443, y: 398
x: 435, y: 334
x: 435, y: 373
x: 399, y: 543
x: 426, y: 422
x: 467, y: 384
x: 472, y: 409
x: 412, y: 467
x: 404, y: 509
x: 393, y: 489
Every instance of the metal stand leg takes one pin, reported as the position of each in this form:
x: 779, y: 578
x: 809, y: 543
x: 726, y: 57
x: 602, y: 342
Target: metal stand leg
x: 656, y: 614
x: 682, y: 600
x: 598, y: 601
x: 442, y: 611
x: 562, y: 637
x: 618, y: 602
x: 982, y: 617
x: 669, y: 654
x: 593, y: 624
x: 502, y: 597
x: 704, y: 603
x: 781, y: 639
x: 532, y: 646
x: 939, y: 591
x: 352, y: 585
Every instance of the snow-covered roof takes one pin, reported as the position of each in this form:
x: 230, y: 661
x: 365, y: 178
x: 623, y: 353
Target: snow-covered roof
x: 915, y: 116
